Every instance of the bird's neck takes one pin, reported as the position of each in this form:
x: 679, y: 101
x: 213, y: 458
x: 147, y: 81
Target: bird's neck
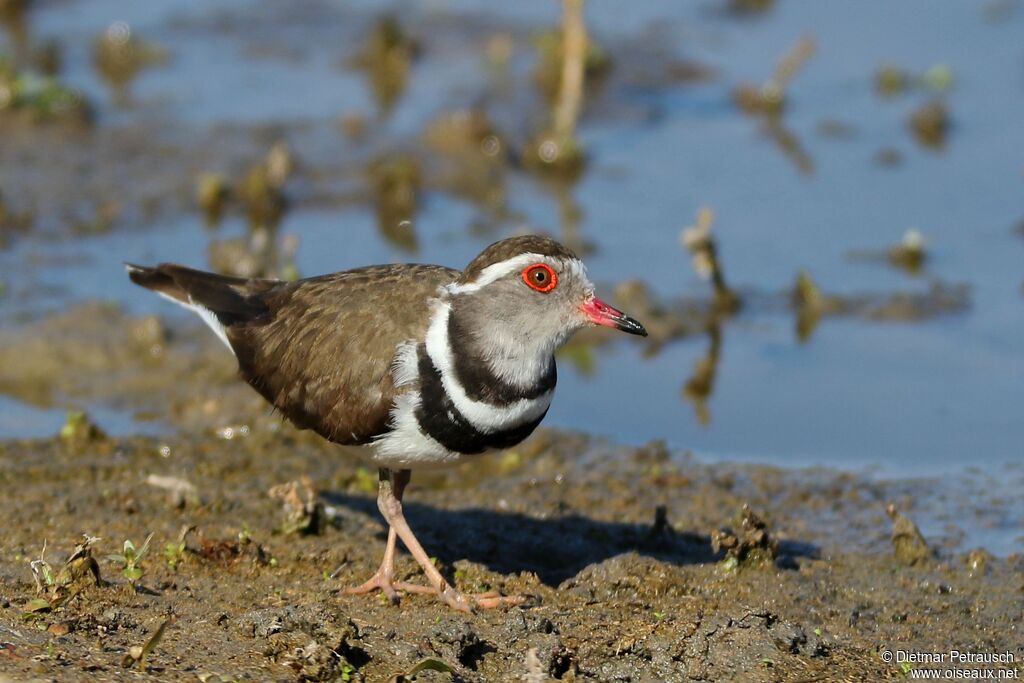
x: 494, y: 361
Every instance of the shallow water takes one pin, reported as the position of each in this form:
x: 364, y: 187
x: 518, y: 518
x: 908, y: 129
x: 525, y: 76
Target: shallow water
x: 890, y: 398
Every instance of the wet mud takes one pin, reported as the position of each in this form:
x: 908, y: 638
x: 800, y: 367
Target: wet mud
x: 638, y: 564
x: 174, y: 528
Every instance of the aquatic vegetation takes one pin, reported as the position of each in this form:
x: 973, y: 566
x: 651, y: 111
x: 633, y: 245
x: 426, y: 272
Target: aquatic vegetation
x: 212, y: 193
x: 13, y: 222
x: 664, y: 322
x: 466, y: 131
x: 353, y: 126
x: 471, y: 157
x: 97, y: 221
x: 701, y: 384
x: 930, y: 124
x: 811, y: 305
x: 119, y: 56
x: 550, y: 45
x: 386, y: 58
x: 769, y: 98
x: 704, y: 250
x: 79, y: 430
x: 909, y: 254
x: 39, y: 99
x: 262, y: 189
x: 396, y: 182
x: 561, y: 157
x: 557, y: 150
x: 260, y: 194
x: 768, y: 102
x: 499, y: 51
x: 892, y: 80
x: 748, y: 7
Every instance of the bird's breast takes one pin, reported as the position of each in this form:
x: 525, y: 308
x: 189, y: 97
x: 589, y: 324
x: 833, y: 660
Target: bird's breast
x: 444, y: 412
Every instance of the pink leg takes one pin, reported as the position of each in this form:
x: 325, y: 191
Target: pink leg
x: 383, y: 578
x: 389, y: 501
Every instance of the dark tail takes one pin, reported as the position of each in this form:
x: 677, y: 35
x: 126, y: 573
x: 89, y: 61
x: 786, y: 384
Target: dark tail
x: 231, y: 299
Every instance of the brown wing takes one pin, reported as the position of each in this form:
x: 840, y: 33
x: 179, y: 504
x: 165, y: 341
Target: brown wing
x: 321, y: 351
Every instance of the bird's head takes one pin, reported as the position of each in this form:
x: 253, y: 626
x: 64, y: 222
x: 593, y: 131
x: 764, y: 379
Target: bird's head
x: 524, y: 297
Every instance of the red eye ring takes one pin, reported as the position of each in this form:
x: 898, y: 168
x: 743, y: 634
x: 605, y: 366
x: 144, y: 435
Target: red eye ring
x: 540, y: 277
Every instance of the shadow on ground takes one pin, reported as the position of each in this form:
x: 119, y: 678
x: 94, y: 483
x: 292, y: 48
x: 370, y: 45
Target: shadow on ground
x: 555, y: 549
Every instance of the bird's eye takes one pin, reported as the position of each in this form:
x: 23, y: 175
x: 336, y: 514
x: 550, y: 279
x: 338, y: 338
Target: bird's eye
x: 540, y: 277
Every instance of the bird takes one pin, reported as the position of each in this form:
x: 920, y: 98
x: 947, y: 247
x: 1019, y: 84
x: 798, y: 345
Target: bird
x: 419, y: 366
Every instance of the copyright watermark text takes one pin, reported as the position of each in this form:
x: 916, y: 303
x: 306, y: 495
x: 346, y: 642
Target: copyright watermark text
x: 955, y: 665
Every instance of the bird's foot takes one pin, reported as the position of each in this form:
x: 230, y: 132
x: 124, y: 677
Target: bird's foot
x: 380, y: 581
x: 454, y: 598
x: 467, y: 602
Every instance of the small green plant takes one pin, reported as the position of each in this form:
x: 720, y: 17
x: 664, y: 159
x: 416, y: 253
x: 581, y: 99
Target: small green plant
x: 366, y: 480
x: 131, y: 558
x: 174, y: 552
x: 57, y: 585
x: 42, y: 572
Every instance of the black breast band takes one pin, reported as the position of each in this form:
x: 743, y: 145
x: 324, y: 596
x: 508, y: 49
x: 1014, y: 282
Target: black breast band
x: 441, y: 420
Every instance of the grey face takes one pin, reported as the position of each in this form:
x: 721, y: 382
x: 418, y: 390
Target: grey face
x: 520, y: 311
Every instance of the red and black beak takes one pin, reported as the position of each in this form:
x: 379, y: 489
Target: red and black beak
x: 600, y: 313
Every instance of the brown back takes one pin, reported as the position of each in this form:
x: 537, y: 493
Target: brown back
x: 322, y: 351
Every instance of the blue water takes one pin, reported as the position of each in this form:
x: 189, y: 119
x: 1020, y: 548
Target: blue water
x: 895, y: 399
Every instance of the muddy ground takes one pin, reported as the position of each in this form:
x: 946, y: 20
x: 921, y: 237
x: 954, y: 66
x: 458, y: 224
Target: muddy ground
x: 616, y: 591
x: 629, y: 558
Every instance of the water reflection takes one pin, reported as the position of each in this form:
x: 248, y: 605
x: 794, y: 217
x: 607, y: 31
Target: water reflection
x: 396, y: 182
x: 260, y: 195
x: 119, y: 56
x: 701, y: 384
x: 13, y: 17
x: 767, y: 101
x: 470, y: 159
x: 386, y: 60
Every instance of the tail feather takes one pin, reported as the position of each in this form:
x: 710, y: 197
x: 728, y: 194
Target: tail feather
x: 230, y: 299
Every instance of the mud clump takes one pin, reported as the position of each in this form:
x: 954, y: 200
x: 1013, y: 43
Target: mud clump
x: 79, y: 431
x: 908, y: 544
x: 751, y: 545
x: 304, y: 514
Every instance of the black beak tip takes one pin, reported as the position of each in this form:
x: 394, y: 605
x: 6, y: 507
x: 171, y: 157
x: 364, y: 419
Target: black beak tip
x: 632, y: 326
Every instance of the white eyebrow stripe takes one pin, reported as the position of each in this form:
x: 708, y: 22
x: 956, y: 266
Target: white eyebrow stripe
x: 498, y: 270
